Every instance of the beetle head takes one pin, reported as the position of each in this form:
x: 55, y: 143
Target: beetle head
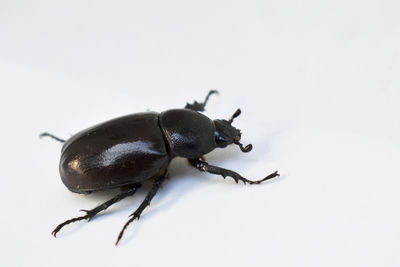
x: 226, y: 134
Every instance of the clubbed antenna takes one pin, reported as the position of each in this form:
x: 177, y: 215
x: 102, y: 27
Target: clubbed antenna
x: 235, y: 115
x: 245, y: 149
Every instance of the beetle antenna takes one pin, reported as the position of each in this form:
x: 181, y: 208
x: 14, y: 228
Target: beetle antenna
x: 245, y: 149
x: 51, y: 136
x: 235, y: 115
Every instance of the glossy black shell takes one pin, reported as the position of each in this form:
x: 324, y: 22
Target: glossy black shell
x: 133, y: 148
x: 190, y: 134
x: 118, y: 152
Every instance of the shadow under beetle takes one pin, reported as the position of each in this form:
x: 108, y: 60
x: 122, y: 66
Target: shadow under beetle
x: 126, y: 151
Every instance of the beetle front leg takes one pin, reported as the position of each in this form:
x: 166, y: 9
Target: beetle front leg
x: 205, y: 167
x: 93, y: 212
x: 196, y: 106
x: 146, y: 202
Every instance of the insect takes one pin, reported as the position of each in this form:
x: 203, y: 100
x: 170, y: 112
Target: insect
x: 126, y: 151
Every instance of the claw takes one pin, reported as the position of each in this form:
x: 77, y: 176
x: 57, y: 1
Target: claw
x: 270, y: 176
x: 54, y: 233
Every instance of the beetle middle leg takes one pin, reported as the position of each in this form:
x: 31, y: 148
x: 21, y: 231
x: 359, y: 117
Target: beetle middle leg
x: 93, y: 212
x: 205, y: 167
x: 196, y: 106
x: 146, y: 202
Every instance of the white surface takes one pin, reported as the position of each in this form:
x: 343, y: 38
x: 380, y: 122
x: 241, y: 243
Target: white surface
x: 317, y: 81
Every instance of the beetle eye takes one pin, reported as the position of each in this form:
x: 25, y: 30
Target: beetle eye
x: 221, y: 139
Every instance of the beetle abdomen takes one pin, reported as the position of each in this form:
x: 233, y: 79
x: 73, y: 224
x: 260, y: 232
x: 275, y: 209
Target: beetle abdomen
x: 121, y: 151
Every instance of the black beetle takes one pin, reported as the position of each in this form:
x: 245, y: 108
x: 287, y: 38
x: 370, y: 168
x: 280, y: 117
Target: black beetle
x: 126, y: 151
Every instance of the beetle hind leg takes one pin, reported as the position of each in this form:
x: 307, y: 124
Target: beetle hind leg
x: 93, y: 212
x: 51, y: 136
x: 196, y: 106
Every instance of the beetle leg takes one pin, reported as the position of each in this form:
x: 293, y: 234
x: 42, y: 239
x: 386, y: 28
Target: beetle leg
x: 196, y: 106
x: 93, y: 212
x: 51, y: 136
x: 146, y: 202
x: 205, y: 167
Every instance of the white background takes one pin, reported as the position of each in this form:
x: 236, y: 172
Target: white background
x: 317, y: 81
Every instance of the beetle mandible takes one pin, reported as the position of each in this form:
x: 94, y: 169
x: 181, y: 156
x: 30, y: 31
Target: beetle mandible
x: 126, y: 151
